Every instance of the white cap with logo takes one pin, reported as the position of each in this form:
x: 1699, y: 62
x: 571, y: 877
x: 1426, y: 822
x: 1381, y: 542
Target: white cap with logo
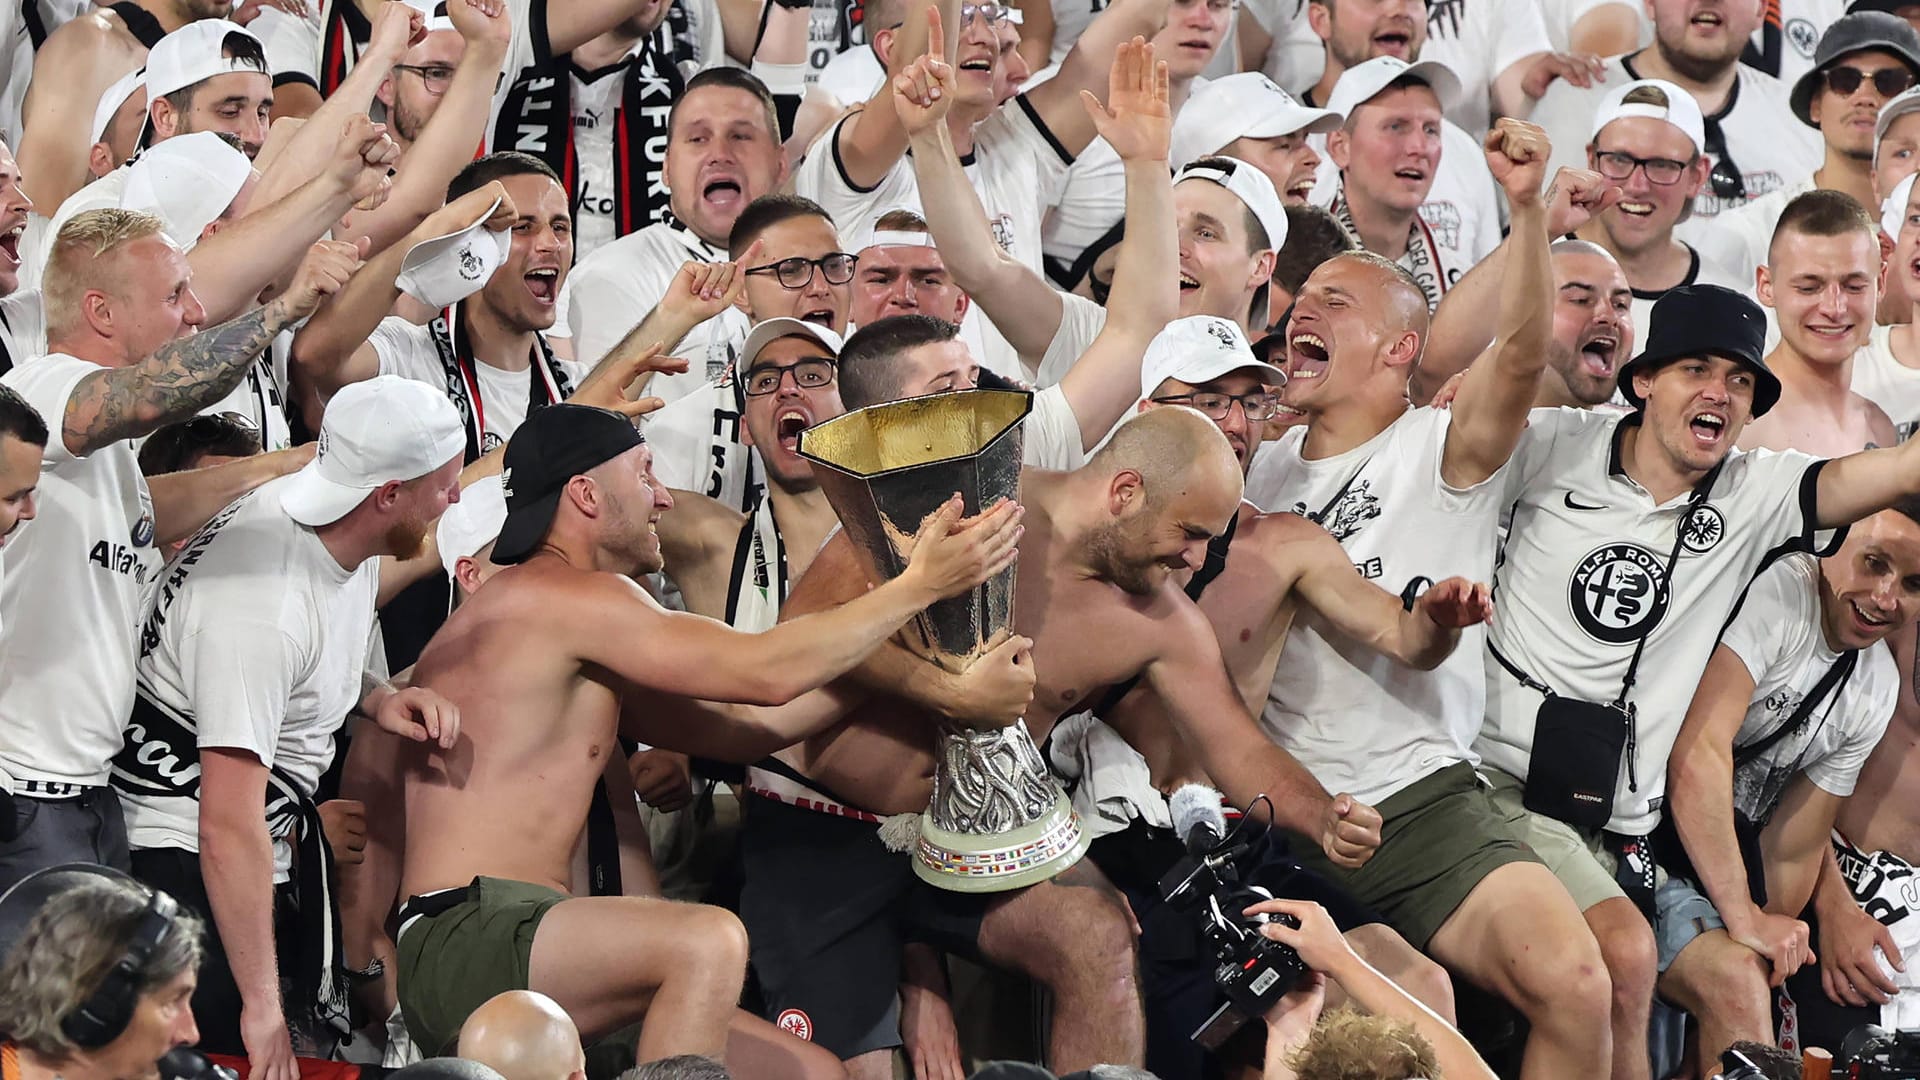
x: 1243, y: 106
x: 1250, y: 186
x: 473, y: 522
x: 1199, y: 349
x: 454, y: 266
x: 189, y: 181
x: 1362, y: 83
x: 193, y: 54
x: 1680, y: 110
x: 383, y: 429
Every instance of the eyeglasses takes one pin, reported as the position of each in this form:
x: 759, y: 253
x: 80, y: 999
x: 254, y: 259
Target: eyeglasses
x: 1887, y: 82
x: 807, y: 375
x: 796, y: 272
x: 1257, y: 407
x: 1725, y: 179
x: 994, y: 14
x: 437, y: 77
x: 1615, y: 165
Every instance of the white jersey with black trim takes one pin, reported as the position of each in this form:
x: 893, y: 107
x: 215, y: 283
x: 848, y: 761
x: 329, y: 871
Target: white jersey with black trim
x: 1778, y: 636
x: 1582, y: 578
x: 1358, y: 721
x: 258, y: 638
x: 76, y: 586
x: 1881, y: 378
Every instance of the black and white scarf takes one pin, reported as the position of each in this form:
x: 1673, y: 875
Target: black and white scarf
x: 347, y: 33
x: 1423, y: 252
x: 547, y: 383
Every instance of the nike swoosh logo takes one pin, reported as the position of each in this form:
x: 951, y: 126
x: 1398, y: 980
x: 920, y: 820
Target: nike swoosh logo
x: 1571, y: 505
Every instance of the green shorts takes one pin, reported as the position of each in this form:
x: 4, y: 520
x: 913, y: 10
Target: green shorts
x: 1439, y: 837
x: 1576, y: 856
x: 473, y: 943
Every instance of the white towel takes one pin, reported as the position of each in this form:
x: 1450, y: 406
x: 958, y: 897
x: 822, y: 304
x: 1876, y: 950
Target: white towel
x: 1115, y: 786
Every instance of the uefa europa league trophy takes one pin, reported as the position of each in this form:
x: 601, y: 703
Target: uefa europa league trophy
x: 997, y: 821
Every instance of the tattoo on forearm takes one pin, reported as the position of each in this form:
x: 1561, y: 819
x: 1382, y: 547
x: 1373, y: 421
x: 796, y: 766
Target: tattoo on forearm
x: 177, y: 381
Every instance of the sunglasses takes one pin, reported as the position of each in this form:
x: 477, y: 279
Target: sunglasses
x: 1725, y: 179
x: 1887, y: 82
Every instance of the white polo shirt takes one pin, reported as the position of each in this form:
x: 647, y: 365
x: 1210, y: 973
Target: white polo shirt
x: 75, y: 590
x: 1777, y: 634
x: 611, y: 290
x: 258, y: 638
x: 1881, y: 378
x: 1580, y: 582
x: 1360, y: 722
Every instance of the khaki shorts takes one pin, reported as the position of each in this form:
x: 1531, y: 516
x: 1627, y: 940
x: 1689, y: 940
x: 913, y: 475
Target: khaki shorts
x: 452, y: 961
x: 1575, y: 856
x: 1440, y: 836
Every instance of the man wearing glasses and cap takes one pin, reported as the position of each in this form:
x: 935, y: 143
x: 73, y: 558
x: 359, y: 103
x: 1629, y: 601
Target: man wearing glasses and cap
x: 1865, y: 60
x: 1696, y: 47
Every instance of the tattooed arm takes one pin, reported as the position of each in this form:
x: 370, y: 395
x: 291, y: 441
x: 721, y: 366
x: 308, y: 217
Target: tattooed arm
x: 190, y: 374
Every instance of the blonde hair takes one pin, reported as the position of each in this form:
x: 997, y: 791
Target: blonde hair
x: 74, y: 262
x: 1347, y: 1045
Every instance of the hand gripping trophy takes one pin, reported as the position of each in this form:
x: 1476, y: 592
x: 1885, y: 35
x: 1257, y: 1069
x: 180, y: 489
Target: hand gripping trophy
x: 997, y: 820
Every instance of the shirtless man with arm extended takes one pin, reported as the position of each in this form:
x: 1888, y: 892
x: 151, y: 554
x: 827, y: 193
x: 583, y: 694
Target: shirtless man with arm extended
x: 546, y: 663
x: 1096, y: 595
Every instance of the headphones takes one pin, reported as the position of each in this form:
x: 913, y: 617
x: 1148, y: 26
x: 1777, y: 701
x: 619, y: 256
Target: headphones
x: 104, y: 1015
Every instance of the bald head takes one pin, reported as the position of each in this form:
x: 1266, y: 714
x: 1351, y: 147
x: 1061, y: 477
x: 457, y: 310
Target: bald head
x: 524, y: 1036
x: 1174, y: 449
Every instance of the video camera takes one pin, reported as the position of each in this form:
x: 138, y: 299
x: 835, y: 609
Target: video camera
x: 1253, y: 971
x: 1870, y: 1052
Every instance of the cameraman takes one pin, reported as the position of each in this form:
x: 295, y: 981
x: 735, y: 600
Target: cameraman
x: 1292, y: 1021
x: 98, y: 985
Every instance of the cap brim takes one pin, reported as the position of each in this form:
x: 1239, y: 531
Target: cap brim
x: 525, y: 527
x: 313, y: 500
x: 1446, y: 85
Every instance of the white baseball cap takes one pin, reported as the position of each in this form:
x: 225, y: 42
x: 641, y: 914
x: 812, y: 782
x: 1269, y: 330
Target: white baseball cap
x: 772, y: 330
x: 1243, y: 106
x: 1680, y: 110
x: 454, y: 266
x: 473, y: 522
x: 1899, y: 105
x: 383, y: 429
x: 1199, y: 349
x: 188, y: 181
x: 116, y: 95
x: 193, y: 54
x: 1362, y: 83
x: 1250, y: 185
x: 1893, y: 212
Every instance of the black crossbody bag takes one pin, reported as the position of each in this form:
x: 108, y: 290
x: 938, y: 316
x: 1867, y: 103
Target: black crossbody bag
x: 1578, y: 745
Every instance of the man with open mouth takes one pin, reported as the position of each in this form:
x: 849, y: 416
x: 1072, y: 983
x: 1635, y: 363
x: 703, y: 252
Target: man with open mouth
x: 23, y: 331
x: 1822, y: 282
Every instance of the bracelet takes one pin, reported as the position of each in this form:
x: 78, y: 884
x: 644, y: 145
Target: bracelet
x: 794, y: 5
x: 374, y: 969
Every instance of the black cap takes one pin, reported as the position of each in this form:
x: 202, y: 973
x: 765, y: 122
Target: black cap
x: 1863, y: 27
x: 1892, y: 7
x: 1702, y: 320
x: 554, y: 445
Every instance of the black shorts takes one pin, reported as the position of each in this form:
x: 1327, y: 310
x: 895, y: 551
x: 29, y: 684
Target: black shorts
x: 828, y: 909
x: 1176, y: 966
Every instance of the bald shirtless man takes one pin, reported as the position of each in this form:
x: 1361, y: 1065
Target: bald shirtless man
x: 546, y: 663
x: 524, y: 1035
x: 1096, y: 594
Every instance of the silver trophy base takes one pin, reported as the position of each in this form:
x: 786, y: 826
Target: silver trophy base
x: 998, y: 821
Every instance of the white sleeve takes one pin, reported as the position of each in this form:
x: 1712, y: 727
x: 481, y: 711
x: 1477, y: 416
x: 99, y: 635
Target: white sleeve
x: 239, y: 676
x: 822, y: 178
x: 1018, y: 128
x: 46, y: 384
x: 1837, y: 772
x: 1770, y: 627
x: 292, y: 43
x: 600, y: 300
x: 1081, y: 320
x: 1053, y: 433
x: 1522, y: 33
x: 1790, y: 478
x: 405, y: 350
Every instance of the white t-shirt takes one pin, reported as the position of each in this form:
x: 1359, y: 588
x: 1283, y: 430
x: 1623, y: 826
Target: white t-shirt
x: 1703, y: 271
x: 1777, y: 634
x: 1479, y: 40
x: 16, y: 46
x: 407, y: 350
x: 76, y: 586
x: 1462, y: 208
x: 1071, y: 19
x: 611, y: 290
x: 23, y: 327
x: 853, y: 76
x: 1770, y: 147
x: 1580, y: 581
x: 1560, y: 16
x: 1081, y: 321
x: 258, y: 638
x: 1739, y: 239
x: 1093, y: 201
x: 1358, y: 721
x: 101, y: 194
x: 1882, y: 379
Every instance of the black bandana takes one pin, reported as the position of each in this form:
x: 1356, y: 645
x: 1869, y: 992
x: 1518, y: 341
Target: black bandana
x: 548, y: 383
x: 536, y: 117
x: 140, y: 23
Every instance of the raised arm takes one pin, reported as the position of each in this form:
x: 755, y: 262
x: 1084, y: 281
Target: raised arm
x: 1868, y: 482
x: 1019, y: 303
x: 871, y: 141
x: 1084, y: 70
x: 698, y: 292
x: 184, y: 501
x: 1191, y: 678
x: 188, y: 375
x: 1700, y: 774
x: 446, y: 144
x: 1103, y: 384
x: 1491, y: 409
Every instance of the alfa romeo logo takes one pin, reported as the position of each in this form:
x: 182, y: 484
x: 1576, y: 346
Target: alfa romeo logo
x: 1616, y: 593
